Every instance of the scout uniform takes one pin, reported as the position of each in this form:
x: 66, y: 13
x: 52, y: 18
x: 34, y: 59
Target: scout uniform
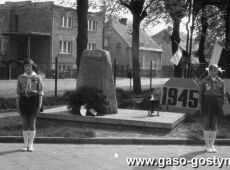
x: 28, y: 90
x: 211, y: 97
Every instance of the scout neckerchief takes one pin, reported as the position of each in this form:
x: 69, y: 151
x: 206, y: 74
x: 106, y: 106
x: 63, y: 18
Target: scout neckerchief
x: 28, y: 82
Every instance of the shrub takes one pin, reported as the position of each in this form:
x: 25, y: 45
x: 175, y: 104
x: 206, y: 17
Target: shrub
x: 122, y: 97
x: 122, y: 94
x: 7, y: 103
x: 52, y: 101
x: 92, y: 98
x: 127, y: 104
x: 145, y: 102
x: 10, y: 103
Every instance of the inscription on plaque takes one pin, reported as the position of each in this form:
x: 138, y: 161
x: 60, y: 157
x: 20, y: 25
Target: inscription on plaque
x: 94, y: 72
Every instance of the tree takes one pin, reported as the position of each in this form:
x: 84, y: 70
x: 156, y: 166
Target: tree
x: 170, y: 12
x: 82, y: 36
x: 112, y: 9
x: 138, y: 8
x: 210, y: 27
x: 204, y: 28
x: 177, y: 10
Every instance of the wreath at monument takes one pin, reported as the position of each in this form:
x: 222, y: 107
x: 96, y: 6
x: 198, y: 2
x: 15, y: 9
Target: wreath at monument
x: 88, y: 101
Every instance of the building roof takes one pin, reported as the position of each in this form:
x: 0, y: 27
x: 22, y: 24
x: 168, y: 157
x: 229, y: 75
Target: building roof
x: 164, y: 37
x: 146, y: 42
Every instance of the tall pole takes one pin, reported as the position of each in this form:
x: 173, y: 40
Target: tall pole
x: 227, y: 42
x: 9, y: 65
x: 28, y: 47
x: 187, y: 41
x: 56, y: 75
x: 103, y: 27
x: 114, y: 71
x: 191, y: 35
x: 151, y: 73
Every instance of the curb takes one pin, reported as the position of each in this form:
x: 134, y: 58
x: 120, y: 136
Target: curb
x: 113, y: 141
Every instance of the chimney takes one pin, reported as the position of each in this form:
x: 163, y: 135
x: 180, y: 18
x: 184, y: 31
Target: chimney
x: 123, y: 21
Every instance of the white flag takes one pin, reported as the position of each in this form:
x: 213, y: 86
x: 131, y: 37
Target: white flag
x: 216, y: 54
x: 176, y: 57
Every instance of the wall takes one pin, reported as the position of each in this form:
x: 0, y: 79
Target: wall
x: 148, y: 56
x: 45, y: 17
x: 96, y: 36
x: 70, y: 34
x: 121, y: 52
x: 35, y: 18
x: 4, y: 19
x: 66, y: 34
x: 40, y: 51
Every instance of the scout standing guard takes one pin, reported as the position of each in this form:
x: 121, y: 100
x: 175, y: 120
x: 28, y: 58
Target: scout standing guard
x: 211, y: 99
x: 29, y: 101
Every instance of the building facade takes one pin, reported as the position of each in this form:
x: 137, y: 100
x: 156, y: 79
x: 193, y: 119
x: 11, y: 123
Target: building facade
x: 118, y: 41
x: 43, y: 31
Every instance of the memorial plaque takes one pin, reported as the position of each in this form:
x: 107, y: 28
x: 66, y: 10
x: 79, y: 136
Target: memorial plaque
x: 96, y: 71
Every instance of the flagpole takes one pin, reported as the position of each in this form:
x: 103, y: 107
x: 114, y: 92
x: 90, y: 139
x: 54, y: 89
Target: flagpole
x: 191, y: 36
x: 187, y: 41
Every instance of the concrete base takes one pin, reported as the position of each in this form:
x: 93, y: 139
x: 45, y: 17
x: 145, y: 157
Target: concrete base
x: 165, y: 120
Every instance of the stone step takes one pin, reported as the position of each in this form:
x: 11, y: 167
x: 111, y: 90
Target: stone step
x: 140, y: 118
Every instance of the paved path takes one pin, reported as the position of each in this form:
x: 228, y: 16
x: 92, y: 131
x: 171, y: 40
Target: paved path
x: 104, y: 157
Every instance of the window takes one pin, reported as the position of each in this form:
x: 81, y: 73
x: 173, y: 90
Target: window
x: 65, y: 47
x: 66, y: 21
x: 91, y: 46
x: 16, y: 22
x: 154, y: 63
x: 92, y: 25
x: 141, y: 62
x: 106, y: 42
x: 63, y: 68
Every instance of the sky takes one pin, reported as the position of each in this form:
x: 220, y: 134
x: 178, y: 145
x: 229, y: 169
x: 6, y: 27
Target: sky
x: 149, y: 30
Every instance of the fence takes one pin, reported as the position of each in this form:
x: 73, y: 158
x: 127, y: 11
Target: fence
x: 62, y: 76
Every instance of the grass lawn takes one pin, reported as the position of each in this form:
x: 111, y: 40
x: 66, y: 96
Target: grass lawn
x: 11, y: 126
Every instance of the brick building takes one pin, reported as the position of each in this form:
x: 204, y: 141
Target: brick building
x: 43, y: 31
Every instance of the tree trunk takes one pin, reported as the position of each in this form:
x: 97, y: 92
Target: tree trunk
x: 82, y: 36
x: 135, y: 55
x: 227, y: 44
x: 175, y: 43
x: 204, y: 24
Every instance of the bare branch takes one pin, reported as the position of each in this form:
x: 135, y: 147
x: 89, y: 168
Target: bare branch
x: 127, y: 4
x: 147, y: 6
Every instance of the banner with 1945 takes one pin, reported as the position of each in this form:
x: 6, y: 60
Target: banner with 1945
x: 180, y: 97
